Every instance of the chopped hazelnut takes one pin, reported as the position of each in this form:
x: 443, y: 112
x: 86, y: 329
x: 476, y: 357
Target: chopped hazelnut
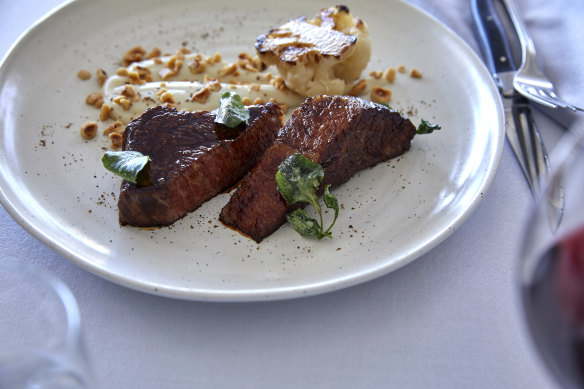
x: 250, y: 68
x: 117, y: 126
x: 259, y: 101
x: 167, y: 97
x: 94, y: 99
x: 201, y: 96
x: 246, y: 101
x: 244, y: 56
x: 175, y: 62
x: 135, y: 54
x: 184, y: 50
x: 401, y: 69
x: 105, y: 112
x: 122, y: 72
x: 166, y: 73
x: 143, y: 73
x: 279, y: 83
x: 116, y: 140
x: 227, y: 70
x: 124, y: 102
x: 135, y: 77
x: 154, y: 53
x: 214, y: 85
x: 101, y: 76
x: 84, y: 74
x: 358, y: 88
x: 415, y: 73
x: 128, y: 91
x: 376, y: 75
x: 380, y: 95
x: 88, y: 130
x: 390, y: 75
x: 197, y: 66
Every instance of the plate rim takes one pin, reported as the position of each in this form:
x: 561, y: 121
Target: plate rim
x: 275, y: 293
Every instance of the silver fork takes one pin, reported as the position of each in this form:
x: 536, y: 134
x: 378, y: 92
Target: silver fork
x: 529, y: 80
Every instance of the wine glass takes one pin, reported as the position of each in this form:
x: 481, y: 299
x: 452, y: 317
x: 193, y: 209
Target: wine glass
x: 552, y: 267
x: 40, y: 331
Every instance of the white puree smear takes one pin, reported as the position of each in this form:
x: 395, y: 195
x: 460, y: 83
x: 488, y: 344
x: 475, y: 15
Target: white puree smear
x: 129, y: 96
x: 182, y: 86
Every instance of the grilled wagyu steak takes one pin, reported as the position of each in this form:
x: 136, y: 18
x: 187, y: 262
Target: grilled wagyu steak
x: 192, y: 160
x: 343, y: 134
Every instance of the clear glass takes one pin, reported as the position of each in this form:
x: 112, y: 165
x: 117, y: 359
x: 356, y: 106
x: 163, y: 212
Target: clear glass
x: 552, y: 268
x: 41, y: 345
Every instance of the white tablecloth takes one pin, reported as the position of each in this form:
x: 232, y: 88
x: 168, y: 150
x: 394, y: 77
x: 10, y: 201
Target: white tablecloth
x: 450, y: 319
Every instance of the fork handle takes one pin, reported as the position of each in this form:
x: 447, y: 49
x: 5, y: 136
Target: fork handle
x: 527, y: 45
x: 491, y: 37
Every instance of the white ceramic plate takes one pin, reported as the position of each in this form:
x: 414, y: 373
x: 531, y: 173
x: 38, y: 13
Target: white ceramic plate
x: 53, y: 183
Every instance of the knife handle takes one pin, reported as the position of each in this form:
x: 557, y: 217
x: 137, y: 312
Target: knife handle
x: 491, y: 36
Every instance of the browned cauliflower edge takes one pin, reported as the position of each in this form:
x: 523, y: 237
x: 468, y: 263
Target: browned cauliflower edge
x: 322, y: 55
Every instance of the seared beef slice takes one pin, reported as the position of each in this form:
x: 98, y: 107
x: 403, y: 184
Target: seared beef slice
x: 343, y: 134
x: 192, y: 160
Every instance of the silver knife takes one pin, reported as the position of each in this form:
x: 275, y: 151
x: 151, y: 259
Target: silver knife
x: 521, y: 131
x: 522, y: 134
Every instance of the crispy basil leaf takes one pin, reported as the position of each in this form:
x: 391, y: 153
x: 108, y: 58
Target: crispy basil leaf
x: 330, y: 200
x: 427, y: 128
x: 231, y: 112
x: 127, y: 164
x: 304, y: 224
x: 298, y: 179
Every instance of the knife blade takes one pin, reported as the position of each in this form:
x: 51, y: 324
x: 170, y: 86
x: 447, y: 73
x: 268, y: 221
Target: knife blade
x: 520, y: 128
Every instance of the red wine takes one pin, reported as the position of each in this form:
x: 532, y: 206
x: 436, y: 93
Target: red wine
x: 554, y: 303
x: 571, y: 276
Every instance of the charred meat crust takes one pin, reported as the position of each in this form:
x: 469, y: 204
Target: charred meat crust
x: 343, y: 134
x: 190, y: 162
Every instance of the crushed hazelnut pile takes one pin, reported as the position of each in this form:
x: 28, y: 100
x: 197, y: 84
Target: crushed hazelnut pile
x: 198, y: 64
x: 379, y: 94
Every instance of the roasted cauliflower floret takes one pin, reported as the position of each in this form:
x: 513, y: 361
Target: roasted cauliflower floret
x: 321, y: 55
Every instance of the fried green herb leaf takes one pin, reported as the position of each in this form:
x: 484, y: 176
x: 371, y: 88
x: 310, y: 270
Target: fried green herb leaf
x: 231, y: 112
x: 130, y: 165
x: 303, y: 224
x: 331, y: 202
x: 298, y: 178
x: 427, y: 128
